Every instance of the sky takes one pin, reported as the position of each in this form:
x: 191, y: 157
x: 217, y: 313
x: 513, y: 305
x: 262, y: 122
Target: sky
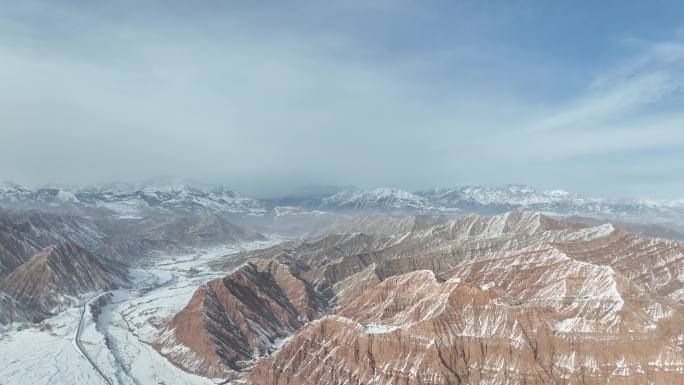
x: 265, y: 96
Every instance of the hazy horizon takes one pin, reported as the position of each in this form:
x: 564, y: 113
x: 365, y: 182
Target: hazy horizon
x: 303, y: 189
x: 268, y: 97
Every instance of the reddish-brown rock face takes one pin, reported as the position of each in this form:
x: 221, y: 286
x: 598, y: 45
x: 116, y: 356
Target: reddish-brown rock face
x: 513, y: 299
x: 48, y: 278
x: 451, y: 333
x: 231, y: 321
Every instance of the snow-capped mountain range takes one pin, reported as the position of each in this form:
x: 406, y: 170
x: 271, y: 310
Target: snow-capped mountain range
x: 131, y: 200
x: 492, y: 200
x: 523, y: 197
x: 177, y: 197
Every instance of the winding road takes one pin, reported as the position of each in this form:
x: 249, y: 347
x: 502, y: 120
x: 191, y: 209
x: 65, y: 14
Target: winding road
x: 77, y: 340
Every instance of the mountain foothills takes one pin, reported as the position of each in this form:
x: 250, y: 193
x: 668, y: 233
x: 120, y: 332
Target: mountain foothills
x: 190, y: 284
x: 515, y: 298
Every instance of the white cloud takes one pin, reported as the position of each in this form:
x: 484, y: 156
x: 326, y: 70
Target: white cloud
x: 606, y: 105
x: 251, y: 99
x: 642, y: 81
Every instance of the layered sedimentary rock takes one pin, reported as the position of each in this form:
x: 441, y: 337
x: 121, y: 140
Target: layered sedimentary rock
x: 535, y: 316
x: 230, y: 321
x: 46, y: 281
x: 512, y: 299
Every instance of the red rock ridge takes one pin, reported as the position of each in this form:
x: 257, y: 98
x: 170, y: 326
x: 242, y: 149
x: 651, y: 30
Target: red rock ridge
x: 513, y: 299
x: 233, y: 320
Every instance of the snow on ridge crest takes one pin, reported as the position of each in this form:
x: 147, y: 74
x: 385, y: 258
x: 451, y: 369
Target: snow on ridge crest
x: 381, y: 198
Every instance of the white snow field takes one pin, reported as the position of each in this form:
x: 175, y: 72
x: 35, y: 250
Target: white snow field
x: 118, y: 341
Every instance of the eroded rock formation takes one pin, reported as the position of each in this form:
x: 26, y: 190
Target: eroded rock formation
x: 513, y: 299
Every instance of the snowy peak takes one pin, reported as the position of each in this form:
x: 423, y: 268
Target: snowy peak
x: 379, y: 199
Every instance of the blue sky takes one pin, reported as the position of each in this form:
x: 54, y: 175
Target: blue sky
x: 264, y: 96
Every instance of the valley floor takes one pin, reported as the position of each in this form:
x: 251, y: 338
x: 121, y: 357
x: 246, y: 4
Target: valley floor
x: 118, y: 340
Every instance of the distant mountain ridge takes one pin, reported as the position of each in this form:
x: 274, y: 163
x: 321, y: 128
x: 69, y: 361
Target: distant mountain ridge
x: 491, y: 200
x: 131, y: 200
x: 177, y: 197
x: 494, y: 200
